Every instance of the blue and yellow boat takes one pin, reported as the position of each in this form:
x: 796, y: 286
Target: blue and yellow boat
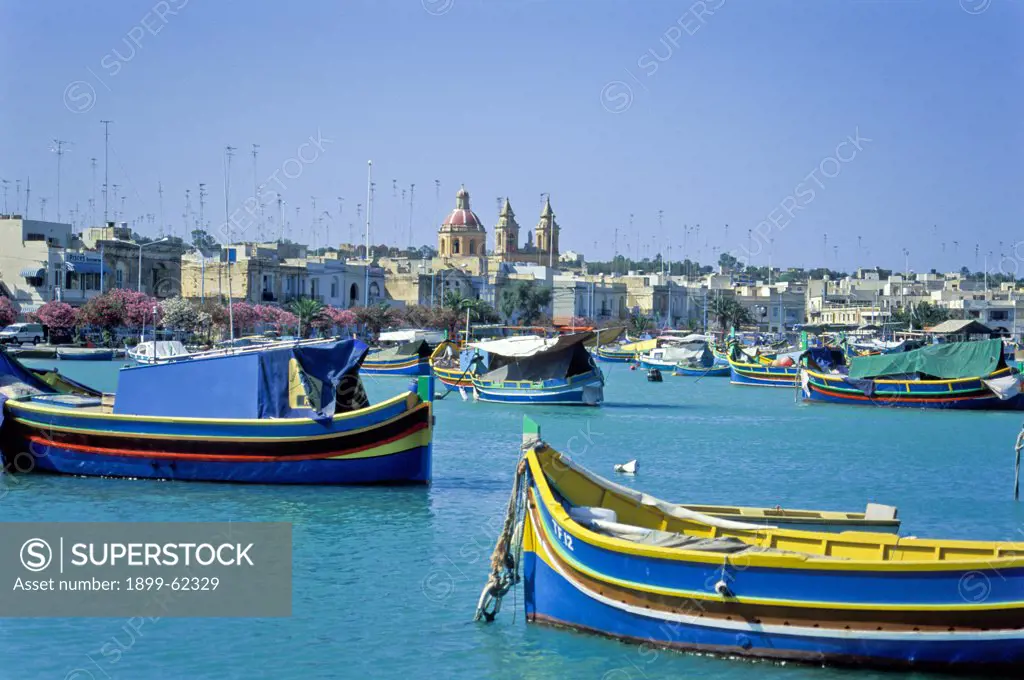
x: 534, y: 370
x: 761, y: 374
x: 602, y: 558
x: 690, y: 370
x: 454, y: 368
x: 408, y: 355
x: 295, y: 415
x: 956, y: 375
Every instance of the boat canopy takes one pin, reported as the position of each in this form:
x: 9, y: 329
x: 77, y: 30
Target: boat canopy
x: 414, y: 348
x: 947, y: 361
x: 411, y: 335
x: 291, y: 382
x: 525, y: 346
x: 534, y: 358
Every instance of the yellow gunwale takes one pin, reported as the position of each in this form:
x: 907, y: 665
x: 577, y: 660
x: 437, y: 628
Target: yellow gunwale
x: 841, y: 378
x: 16, y: 405
x: 767, y: 538
x: 551, y: 543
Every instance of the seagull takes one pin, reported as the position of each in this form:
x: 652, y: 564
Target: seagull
x: 627, y: 468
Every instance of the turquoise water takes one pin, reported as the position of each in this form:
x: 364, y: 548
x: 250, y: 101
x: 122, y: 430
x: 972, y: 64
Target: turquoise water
x: 386, y: 580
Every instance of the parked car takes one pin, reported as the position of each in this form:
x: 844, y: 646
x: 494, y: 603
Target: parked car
x: 19, y: 333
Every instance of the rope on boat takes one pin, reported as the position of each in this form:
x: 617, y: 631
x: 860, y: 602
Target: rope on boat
x: 506, y: 558
x: 472, y: 364
x: 1016, y: 468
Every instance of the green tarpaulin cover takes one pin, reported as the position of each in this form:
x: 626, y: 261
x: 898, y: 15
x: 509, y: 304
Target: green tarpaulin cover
x: 946, y: 361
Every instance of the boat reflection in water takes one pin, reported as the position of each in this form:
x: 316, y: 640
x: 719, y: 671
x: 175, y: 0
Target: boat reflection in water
x: 294, y: 415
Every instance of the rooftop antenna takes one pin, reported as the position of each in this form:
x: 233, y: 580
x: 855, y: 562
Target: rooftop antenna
x: 394, y: 205
x: 106, y: 167
x: 437, y: 200
x: 187, y: 216
x: 824, y: 247
x: 359, y: 218
x: 123, y: 199
x: 92, y: 201
x: 280, y: 217
x: 314, y: 225
x: 42, y: 206
x: 397, y: 238
x: 341, y: 212
x: 17, y: 195
x: 369, y: 199
x: 412, y: 202
x: 202, y: 206
x: 58, y: 148
x: 256, y: 195
x: 229, y: 151
x: 160, y: 194
x: 615, y: 247
x: 661, y: 214
x: 5, y: 183
x: 115, y: 187
x: 28, y: 194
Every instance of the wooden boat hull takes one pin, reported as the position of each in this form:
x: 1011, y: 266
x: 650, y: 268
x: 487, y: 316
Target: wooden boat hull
x: 762, y: 375
x: 851, y: 598
x: 404, y: 366
x: 700, y: 372
x: 387, y: 443
x: 453, y: 377
x: 614, y: 356
x: 962, y: 394
x: 98, y: 355
x: 586, y: 389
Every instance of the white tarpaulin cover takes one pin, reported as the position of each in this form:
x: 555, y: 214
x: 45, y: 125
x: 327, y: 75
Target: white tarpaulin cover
x: 411, y: 335
x: 523, y: 346
x: 1005, y: 388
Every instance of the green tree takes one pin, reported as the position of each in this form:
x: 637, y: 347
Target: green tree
x: 728, y: 313
x: 922, y: 315
x: 527, y: 299
x: 204, y: 242
x: 308, y: 311
x: 376, y: 317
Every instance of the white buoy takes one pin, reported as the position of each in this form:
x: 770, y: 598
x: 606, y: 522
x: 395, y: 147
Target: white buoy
x: 629, y: 468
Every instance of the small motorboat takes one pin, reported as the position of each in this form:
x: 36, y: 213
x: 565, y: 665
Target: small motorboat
x: 654, y: 375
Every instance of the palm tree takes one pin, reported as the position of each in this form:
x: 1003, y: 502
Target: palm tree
x: 308, y: 310
x: 727, y: 312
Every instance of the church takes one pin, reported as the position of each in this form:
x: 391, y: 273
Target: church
x: 462, y: 238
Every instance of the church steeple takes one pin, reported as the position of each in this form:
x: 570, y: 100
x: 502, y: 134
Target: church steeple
x: 547, y: 231
x: 506, y: 232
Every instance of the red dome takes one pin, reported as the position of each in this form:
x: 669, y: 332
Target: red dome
x: 462, y: 218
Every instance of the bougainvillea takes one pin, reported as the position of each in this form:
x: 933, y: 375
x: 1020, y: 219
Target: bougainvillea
x: 7, y: 312
x: 57, y: 315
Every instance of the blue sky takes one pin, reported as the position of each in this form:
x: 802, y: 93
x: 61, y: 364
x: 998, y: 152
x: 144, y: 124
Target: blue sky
x: 614, y: 107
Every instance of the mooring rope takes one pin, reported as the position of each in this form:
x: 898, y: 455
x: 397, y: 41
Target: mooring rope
x: 506, y: 558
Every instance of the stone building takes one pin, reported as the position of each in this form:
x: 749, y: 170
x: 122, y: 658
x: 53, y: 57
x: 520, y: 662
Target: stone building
x: 506, y: 235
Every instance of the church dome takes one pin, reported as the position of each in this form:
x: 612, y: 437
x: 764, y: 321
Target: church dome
x: 462, y: 218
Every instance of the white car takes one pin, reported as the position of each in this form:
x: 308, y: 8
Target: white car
x: 19, y: 333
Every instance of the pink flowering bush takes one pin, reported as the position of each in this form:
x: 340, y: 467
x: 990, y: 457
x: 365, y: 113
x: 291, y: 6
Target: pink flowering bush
x: 57, y: 316
x: 7, y: 312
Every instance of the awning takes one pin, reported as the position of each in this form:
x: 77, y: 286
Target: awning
x: 530, y: 345
x: 946, y: 361
x: 85, y: 267
x: 34, y: 272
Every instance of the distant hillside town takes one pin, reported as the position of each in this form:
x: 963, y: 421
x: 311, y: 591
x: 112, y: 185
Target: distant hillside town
x: 510, y: 278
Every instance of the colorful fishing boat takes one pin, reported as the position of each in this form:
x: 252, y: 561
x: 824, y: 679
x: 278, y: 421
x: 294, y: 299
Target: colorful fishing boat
x: 615, y: 354
x: 453, y: 367
x: 408, y: 355
x: 762, y: 374
x: 295, y: 415
x: 691, y: 350
x: 85, y: 354
x: 956, y: 375
x: 158, y: 352
x: 604, y: 559
x: 689, y: 370
x: 535, y: 370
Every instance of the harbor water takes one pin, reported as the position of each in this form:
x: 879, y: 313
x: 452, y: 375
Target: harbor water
x: 385, y: 580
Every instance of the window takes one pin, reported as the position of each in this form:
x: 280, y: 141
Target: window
x: 334, y: 287
x: 472, y: 247
x: 35, y: 237
x: 455, y: 247
x: 119, y: 274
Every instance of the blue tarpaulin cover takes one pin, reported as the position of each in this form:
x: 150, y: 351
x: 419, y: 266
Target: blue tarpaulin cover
x: 291, y: 382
